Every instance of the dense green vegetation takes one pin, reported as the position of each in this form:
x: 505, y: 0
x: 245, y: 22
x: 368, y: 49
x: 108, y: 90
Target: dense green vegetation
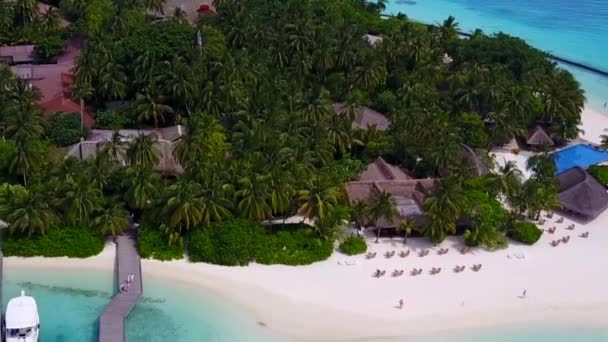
x: 353, y: 245
x: 599, y: 172
x: 254, y: 86
x: 64, y: 129
x: 22, y: 23
x: 526, y: 232
x: 238, y: 242
x: 152, y: 243
x: 72, y: 242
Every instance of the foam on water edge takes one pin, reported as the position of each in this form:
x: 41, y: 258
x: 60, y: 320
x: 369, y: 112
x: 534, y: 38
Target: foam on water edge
x: 69, y: 303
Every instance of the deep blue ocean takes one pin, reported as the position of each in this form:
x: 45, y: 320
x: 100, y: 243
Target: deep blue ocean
x: 573, y: 29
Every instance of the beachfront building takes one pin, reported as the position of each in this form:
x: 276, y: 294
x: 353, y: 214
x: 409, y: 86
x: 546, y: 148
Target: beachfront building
x: 581, y: 194
x: 166, y: 138
x: 365, y: 117
x: 53, y: 81
x: 406, y: 192
x: 538, y: 137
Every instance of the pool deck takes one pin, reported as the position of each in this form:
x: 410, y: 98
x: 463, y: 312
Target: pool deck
x: 112, y: 320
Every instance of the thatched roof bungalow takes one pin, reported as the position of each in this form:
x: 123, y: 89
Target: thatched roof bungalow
x: 581, y: 194
x: 365, y: 117
x: 539, y: 137
x: 478, y: 166
x: 407, y: 193
x: 166, y: 138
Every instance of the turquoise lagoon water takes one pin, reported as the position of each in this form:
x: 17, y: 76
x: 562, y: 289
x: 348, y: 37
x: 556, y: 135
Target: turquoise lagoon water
x: 574, y: 29
x: 69, y: 304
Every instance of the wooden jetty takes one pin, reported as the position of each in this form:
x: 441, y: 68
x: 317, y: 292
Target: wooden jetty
x: 112, y: 320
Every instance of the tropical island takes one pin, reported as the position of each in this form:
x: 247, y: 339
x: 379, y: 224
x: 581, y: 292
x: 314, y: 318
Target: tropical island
x: 292, y: 133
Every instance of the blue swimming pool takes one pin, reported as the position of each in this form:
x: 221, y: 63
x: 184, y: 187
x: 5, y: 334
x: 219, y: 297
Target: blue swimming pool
x: 578, y: 155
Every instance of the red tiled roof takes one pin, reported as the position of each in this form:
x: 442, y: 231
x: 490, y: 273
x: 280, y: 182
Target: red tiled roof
x: 205, y: 9
x: 60, y: 103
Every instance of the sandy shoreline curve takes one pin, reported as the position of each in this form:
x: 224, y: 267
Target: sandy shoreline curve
x: 330, y: 300
x: 594, y: 124
x: 338, y: 299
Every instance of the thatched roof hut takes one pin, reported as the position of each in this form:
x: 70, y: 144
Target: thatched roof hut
x: 581, y: 194
x: 366, y: 117
x: 478, y: 167
x: 381, y: 170
x: 407, y: 193
x: 539, y: 137
x: 166, y: 137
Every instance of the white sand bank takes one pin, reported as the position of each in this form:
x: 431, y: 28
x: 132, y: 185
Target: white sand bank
x: 594, y: 124
x: 328, y: 301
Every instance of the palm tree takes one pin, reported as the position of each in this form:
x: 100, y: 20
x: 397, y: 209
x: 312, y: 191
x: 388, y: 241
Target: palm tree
x: 25, y: 11
x: 142, y: 151
x: 112, y: 219
x: 382, y: 207
x: 179, y: 82
x: 112, y: 80
x: 406, y: 226
x: 359, y: 212
x: 114, y: 148
x: 183, y: 208
x: 149, y: 105
x: 81, y: 199
x: 254, y: 197
x: 81, y: 91
x: 31, y: 213
x: 28, y: 156
x: 143, y: 186
x: 542, y: 166
x: 507, y: 181
x: 318, y: 199
x: 443, y: 207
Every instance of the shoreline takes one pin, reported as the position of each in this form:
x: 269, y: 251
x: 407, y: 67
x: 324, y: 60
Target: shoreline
x: 593, y: 123
x: 329, y: 301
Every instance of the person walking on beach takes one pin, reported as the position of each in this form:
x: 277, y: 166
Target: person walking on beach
x: 523, y: 295
x: 401, y: 303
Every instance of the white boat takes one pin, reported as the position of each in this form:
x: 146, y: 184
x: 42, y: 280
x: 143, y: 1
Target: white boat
x: 22, y: 323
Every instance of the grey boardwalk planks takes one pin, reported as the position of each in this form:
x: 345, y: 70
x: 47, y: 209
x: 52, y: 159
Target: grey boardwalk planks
x: 112, y: 320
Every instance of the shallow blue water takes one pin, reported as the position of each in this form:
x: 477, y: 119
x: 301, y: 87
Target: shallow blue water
x: 574, y: 29
x: 578, y: 155
x: 69, y: 304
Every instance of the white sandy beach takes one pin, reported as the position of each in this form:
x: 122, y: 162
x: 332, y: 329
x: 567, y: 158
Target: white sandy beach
x: 333, y: 301
x: 594, y: 124
x: 329, y: 301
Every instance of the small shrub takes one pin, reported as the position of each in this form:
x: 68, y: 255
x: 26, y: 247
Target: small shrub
x: 300, y: 246
x: 599, y: 172
x: 344, y: 170
x: 231, y: 243
x: 153, y: 243
x: 516, y: 150
x: 110, y: 120
x: 73, y: 242
x: 48, y: 49
x: 525, y: 232
x: 353, y: 245
x: 64, y: 129
x: 238, y: 242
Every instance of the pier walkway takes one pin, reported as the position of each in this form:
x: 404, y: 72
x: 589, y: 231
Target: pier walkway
x: 112, y: 320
